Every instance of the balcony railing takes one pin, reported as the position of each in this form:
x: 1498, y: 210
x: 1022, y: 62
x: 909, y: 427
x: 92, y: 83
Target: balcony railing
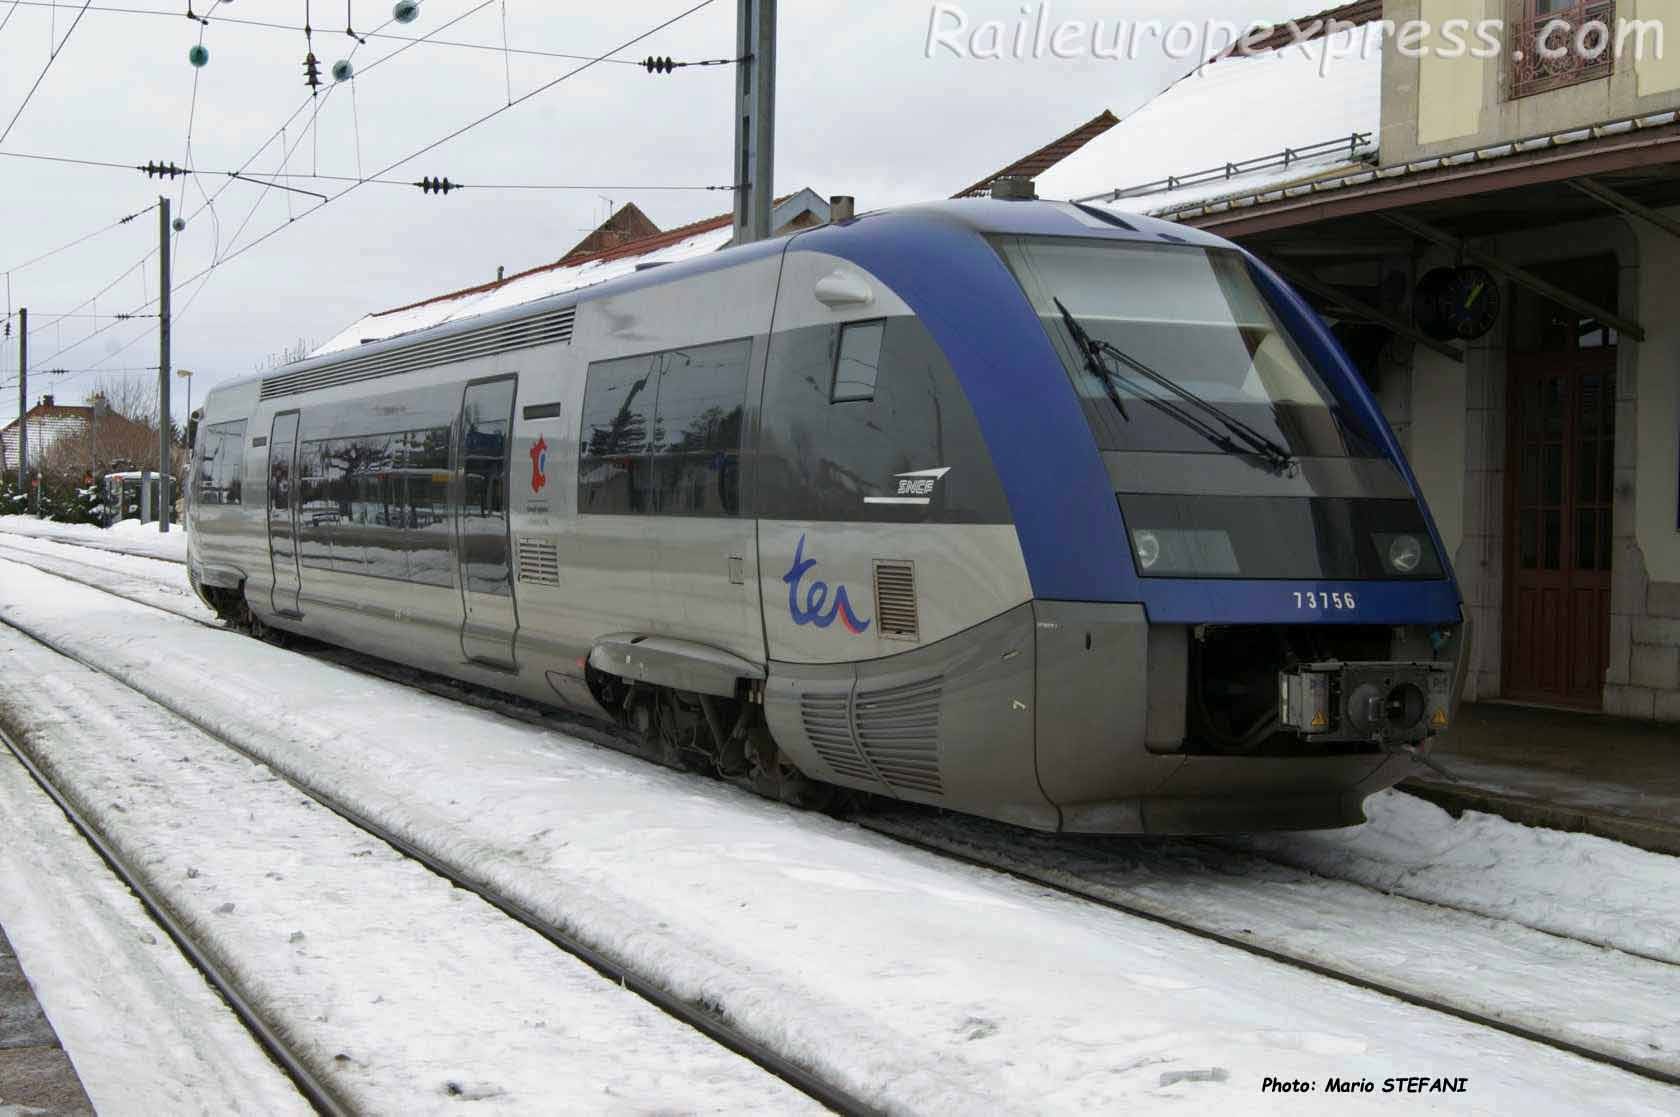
x: 1581, y: 38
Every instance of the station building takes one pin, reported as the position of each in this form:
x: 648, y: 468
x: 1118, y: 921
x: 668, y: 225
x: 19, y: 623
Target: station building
x: 1497, y: 241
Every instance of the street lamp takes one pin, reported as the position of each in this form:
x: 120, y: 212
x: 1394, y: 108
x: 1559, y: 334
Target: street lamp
x: 186, y: 374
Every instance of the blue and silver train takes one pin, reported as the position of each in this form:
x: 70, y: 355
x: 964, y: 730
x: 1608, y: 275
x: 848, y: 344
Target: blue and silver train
x: 1024, y: 509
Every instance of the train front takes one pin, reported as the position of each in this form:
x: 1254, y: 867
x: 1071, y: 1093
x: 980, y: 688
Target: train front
x: 1245, y: 617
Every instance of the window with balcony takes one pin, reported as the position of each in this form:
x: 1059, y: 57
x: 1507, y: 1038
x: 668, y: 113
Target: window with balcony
x: 1562, y: 42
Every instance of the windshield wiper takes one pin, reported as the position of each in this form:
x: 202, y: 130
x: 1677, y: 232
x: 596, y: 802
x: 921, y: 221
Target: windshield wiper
x: 1093, y: 361
x: 1094, y: 350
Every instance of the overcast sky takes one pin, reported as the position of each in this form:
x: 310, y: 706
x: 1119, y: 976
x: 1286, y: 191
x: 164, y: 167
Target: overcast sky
x: 861, y: 110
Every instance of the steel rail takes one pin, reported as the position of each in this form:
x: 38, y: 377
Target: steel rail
x: 314, y: 1091
x: 708, y: 1022
x: 1161, y: 916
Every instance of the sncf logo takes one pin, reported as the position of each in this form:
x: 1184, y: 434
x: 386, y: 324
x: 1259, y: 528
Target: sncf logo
x: 539, y: 465
x: 816, y: 597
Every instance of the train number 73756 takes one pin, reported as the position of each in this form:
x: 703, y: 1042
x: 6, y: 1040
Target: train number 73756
x: 1341, y: 601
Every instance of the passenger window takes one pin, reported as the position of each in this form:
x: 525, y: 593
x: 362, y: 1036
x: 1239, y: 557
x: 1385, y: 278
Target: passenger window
x: 614, y: 474
x: 204, y: 481
x: 661, y: 433
x: 857, y: 362
x: 698, y: 409
x: 230, y: 462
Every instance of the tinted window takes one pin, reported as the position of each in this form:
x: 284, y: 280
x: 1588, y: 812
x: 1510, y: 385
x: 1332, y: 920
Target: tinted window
x: 661, y: 433
x: 874, y: 459
x: 377, y: 504
x: 614, y: 472
x: 858, y: 362
x: 487, y: 421
x: 221, y: 466
x: 697, y: 448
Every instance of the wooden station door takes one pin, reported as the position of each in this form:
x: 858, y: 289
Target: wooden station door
x: 1561, y: 479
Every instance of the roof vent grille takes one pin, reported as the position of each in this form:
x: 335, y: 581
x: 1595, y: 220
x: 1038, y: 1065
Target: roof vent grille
x: 895, y: 600
x: 552, y: 328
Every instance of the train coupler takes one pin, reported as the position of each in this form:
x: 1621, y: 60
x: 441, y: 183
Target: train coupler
x: 1383, y: 703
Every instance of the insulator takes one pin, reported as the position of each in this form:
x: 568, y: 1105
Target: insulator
x: 179, y: 224
x: 406, y: 11
x: 311, y: 70
x: 198, y: 54
x: 437, y: 185
x: 342, y: 70
x: 659, y: 65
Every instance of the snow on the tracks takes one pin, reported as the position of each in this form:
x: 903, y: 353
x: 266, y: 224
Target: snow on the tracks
x: 125, y: 537
x: 926, y: 986
x: 144, y: 1031
x: 1578, y: 885
x: 148, y: 580
x: 403, y: 993
x: 1605, y: 1000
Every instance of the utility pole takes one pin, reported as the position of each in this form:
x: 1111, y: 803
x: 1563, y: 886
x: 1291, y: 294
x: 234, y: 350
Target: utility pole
x: 755, y: 119
x: 23, y: 403
x: 164, y: 440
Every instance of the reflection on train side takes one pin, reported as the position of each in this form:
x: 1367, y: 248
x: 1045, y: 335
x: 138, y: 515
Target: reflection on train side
x: 377, y: 504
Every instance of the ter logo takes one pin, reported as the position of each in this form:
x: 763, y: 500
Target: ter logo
x: 539, y: 465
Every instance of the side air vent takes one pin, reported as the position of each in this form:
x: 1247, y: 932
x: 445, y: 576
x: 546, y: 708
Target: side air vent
x: 539, y: 560
x: 899, y: 731
x: 828, y: 727
x: 505, y: 337
x: 895, y: 600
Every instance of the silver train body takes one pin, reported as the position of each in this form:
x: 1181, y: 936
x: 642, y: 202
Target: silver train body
x: 796, y: 512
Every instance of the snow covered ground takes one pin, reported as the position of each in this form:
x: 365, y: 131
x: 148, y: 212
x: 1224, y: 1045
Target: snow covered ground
x: 1603, y: 1000
x: 403, y: 992
x: 146, y: 1034
x: 156, y: 582
x: 127, y: 537
x: 1578, y: 885
x: 923, y: 985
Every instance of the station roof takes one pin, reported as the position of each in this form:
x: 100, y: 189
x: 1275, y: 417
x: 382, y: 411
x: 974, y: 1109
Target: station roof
x: 1235, y: 127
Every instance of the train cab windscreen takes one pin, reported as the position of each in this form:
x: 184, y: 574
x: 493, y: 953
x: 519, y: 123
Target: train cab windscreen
x: 1231, y: 456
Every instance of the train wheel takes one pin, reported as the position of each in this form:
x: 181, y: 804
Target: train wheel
x: 774, y: 778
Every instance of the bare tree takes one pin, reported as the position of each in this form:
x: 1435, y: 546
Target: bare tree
x: 133, y: 397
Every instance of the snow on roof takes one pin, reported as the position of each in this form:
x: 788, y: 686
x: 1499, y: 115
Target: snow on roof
x: 671, y: 246
x: 1316, y: 96
x: 521, y: 289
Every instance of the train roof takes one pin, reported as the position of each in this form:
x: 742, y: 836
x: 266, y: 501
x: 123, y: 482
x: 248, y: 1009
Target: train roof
x: 981, y: 216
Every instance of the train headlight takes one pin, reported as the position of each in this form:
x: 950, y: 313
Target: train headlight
x: 1147, y: 547
x: 1405, y: 552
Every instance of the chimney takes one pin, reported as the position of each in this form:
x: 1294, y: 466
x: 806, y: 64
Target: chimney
x: 841, y: 207
x: 46, y: 401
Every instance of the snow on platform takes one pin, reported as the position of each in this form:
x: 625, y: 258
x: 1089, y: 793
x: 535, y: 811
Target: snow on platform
x: 918, y: 983
x: 1234, y: 110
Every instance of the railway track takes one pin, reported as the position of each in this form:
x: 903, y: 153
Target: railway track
x: 313, y: 1089
x: 974, y: 843
x: 701, y: 1018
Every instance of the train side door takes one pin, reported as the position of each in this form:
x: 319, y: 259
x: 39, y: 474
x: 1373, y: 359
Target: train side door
x: 282, y: 513
x: 484, y: 550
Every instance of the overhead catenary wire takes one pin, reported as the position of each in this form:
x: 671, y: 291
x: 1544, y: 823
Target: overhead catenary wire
x: 81, y: 240
x: 378, y: 176
x: 378, y: 33
x: 39, y: 78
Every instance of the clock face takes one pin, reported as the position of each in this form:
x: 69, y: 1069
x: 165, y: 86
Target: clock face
x: 1458, y: 303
